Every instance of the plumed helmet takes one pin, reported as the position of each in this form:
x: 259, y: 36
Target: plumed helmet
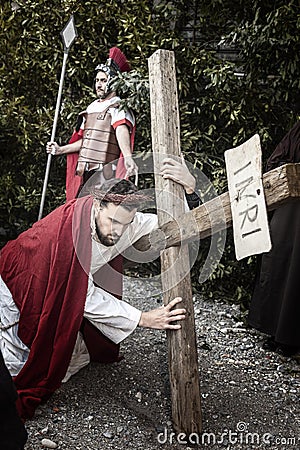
x: 116, y: 62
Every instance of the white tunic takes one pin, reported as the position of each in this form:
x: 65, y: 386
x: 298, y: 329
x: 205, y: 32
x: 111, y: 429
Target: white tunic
x: 115, y: 318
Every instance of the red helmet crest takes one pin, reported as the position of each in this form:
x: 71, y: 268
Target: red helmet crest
x: 117, y: 62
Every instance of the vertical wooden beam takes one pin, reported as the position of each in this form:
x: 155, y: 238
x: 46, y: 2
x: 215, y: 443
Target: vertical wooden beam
x: 182, y: 349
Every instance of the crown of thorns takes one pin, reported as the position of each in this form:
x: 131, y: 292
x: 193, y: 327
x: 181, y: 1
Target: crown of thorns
x: 134, y: 198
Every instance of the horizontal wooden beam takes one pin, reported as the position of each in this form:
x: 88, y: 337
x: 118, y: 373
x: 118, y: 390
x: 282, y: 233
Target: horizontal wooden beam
x: 281, y: 185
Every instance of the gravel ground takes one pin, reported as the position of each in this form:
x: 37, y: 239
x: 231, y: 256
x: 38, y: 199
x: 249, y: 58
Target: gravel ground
x: 250, y: 397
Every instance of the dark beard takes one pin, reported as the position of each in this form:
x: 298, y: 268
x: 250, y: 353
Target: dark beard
x: 105, y: 240
x: 102, y: 96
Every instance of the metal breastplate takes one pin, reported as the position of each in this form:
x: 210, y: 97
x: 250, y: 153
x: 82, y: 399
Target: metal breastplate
x: 99, y: 143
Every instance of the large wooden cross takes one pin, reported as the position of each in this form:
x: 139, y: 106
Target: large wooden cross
x: 177, y: 228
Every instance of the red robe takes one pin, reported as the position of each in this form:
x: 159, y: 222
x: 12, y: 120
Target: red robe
x: 46, y: 269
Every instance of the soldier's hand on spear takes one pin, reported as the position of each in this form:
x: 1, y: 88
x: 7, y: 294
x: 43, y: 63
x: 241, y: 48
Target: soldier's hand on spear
x: 53, y: 148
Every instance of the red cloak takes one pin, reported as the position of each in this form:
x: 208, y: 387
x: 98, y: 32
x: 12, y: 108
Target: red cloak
x: 46, y: 269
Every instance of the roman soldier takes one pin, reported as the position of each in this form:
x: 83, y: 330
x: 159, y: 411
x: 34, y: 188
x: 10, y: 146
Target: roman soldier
x: 102, y: 142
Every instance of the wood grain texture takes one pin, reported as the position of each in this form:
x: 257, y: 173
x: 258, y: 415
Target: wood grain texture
x: 281, y: 185
x: 175, y: 267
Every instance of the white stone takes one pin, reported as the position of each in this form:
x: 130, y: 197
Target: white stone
x: 48, y: 444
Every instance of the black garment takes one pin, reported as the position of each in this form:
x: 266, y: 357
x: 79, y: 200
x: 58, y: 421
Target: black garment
x: 275, y: 304
x: 13, y: 434
x: 193, y: 200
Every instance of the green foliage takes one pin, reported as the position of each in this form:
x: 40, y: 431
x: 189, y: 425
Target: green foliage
x: 218, y: 109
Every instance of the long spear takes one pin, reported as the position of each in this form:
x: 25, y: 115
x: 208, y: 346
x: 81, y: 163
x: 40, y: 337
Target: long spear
x: 68, y: 36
